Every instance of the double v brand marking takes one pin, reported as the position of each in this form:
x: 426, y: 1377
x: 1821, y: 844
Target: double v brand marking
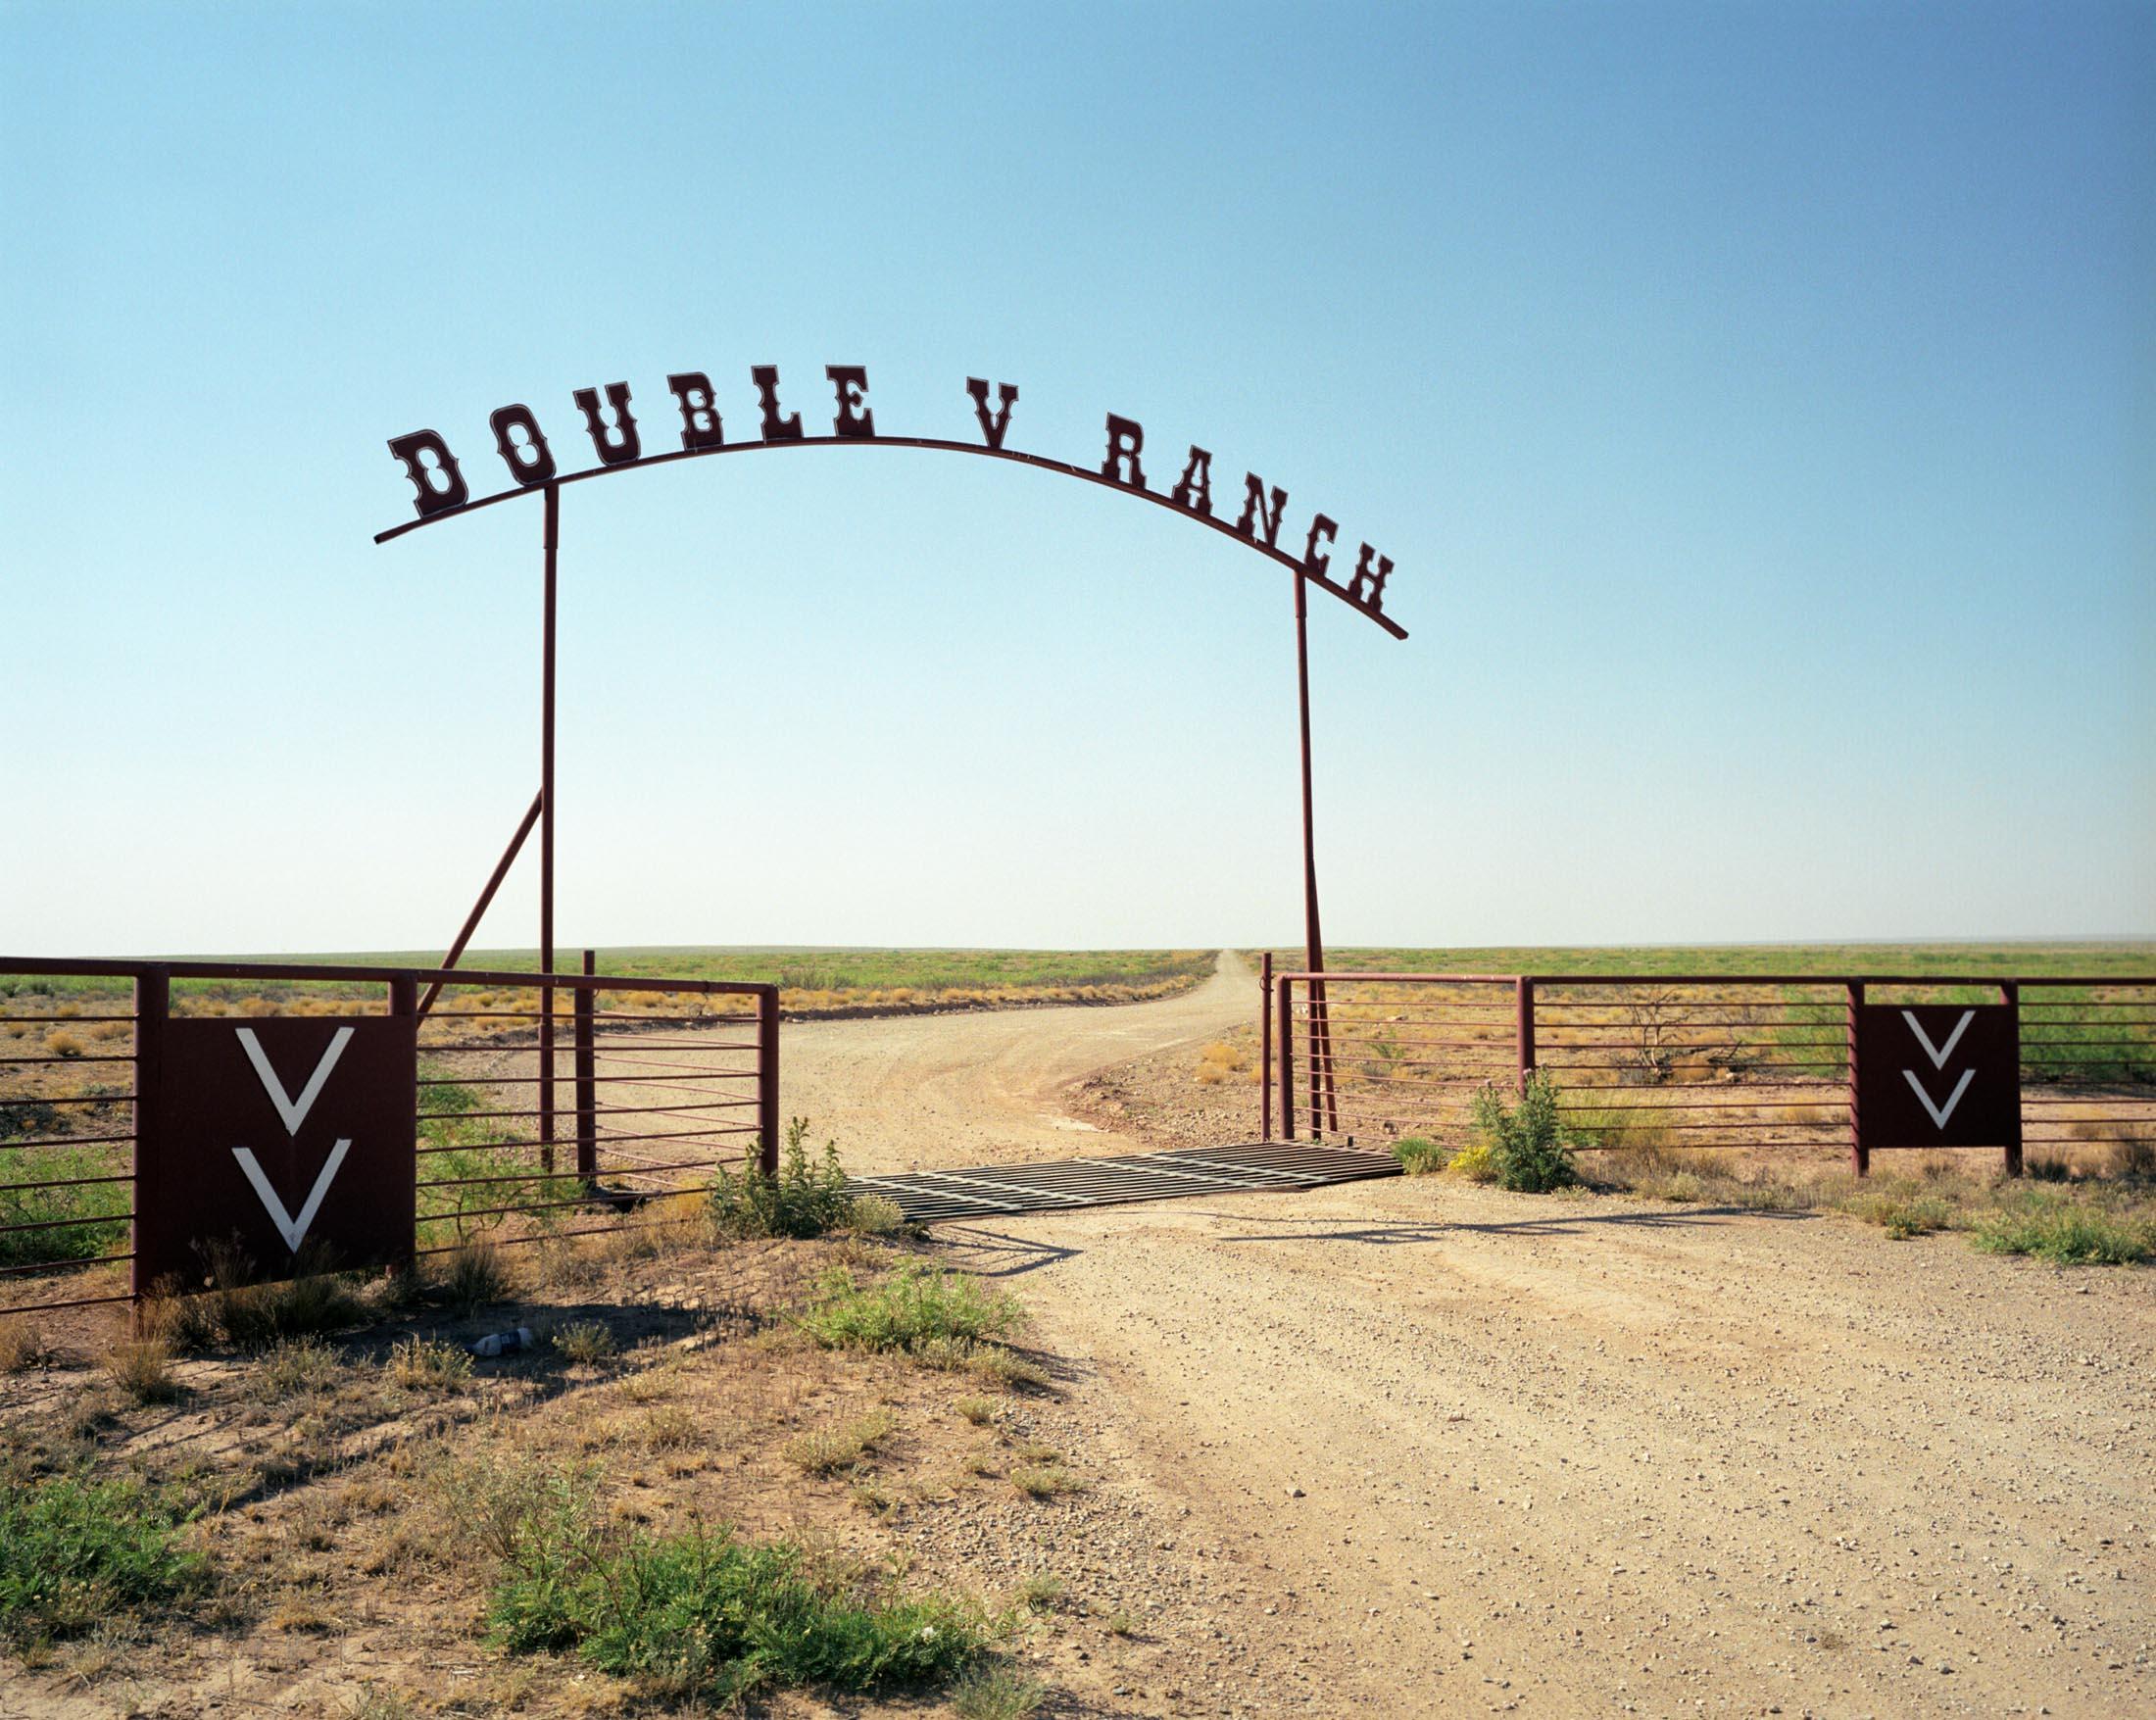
x: 293, y: 1230
x: 1938, y: 1053
x: 292, y: 1112
x: 1939, y: 1113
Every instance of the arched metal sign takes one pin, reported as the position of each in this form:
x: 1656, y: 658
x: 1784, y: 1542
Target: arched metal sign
x: 442, y: 492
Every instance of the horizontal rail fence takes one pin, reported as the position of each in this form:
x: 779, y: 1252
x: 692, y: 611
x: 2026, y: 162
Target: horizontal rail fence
x: 546, y: 1108
x: 1682, y: 1060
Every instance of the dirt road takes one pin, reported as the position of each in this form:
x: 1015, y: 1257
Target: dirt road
x: 1474, y: 1452
x: 914, y: 1092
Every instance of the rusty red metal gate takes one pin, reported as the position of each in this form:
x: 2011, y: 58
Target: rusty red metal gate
x: 1719, y: 1060
x: 108, y: 1120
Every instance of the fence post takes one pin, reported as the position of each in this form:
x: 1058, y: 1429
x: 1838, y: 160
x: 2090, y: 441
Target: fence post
x: 1860, y: 1159
x: 1265, y: 1047
x: 587, y: 1090
x: 404, y: 1004
x: 152, y: 1006
x: 2010, y: 996
x: 1284, y: 1011
x: 767, y: 1077
x: 1524, y: 1029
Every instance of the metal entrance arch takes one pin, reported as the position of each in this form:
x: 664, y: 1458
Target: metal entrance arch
x: 442, y: 493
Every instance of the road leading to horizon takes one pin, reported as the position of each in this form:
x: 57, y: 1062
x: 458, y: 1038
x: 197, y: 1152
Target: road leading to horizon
x: 982, y: 1087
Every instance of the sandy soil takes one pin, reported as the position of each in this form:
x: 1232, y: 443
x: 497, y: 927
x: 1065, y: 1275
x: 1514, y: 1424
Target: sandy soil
x: 1470, y: 1451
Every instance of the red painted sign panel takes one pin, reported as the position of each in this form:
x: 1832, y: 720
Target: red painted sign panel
x: 279, y: 1138
x: 1939, y: 1075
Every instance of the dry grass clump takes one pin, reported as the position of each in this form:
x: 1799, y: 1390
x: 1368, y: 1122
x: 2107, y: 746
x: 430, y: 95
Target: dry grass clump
x: 63, y: 1043
x: 583, y: 1341
x: 476, y: 1276
x: 1219, y: 1061
x: 669, y: 1427
x: 1045, y: 1481
x: 23, y: 1346
x: 827, y: 1450
x: 142, y: 1367
x: 292, y: 1368
x: 421, y: 1364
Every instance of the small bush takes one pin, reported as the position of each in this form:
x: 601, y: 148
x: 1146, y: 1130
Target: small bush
x: 913, y: 1306
x: 74, y: 1553
x: 1419, y: 1156
x: 827, y: 1450
x: 1528, y: 1141
x: 978, y: 1411
x: 584, y: 1341
x: 1477, y: 1164
x: 875, y: 1215
x: 806, y: 1198
x: 701, y: 1615
x: 64, y: 1045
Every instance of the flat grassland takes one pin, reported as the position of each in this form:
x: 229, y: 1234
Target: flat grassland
x: 2096, y: 957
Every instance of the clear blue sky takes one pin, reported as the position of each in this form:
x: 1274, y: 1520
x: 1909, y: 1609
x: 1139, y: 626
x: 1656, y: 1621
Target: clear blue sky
x: 1759, y: 403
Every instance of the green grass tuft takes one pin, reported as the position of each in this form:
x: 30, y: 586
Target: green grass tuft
x: 74, y: 1551
x: 2066, y: 1232
x: 701, y: 1615
x: 913, y: 1308
x: 1419, y: 1156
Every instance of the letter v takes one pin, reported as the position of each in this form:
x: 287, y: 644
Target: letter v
x: 293, y: 1111
x: 1939, y: 1053
x: 1939, y: 1113
x: 293, y: 1230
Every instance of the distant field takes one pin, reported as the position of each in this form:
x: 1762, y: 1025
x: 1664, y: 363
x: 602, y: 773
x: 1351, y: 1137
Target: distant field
x: 1976, y: 960
x: 811, y: 981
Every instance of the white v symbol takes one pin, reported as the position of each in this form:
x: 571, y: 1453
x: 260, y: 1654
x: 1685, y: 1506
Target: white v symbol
x: 293, y: 1230
x: 1938, y: 1055
x: 293, y: 1111
x: 1940, y: 1114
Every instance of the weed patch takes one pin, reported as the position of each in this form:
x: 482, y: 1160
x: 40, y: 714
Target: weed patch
x: 79, y: 1221
x: 1419, y: 1156
x: 2066, y: 1232
x: 704, y: 1615
x: 911, y: 1307
x: 74, y: 1551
